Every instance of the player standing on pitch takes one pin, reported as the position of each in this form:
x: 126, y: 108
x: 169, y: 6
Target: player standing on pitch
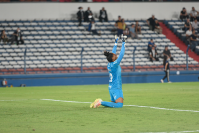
x: 166, y: 69
x: 115, y: 82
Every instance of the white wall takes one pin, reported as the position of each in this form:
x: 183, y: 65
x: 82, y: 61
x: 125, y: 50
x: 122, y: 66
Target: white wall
x: 128, y: 10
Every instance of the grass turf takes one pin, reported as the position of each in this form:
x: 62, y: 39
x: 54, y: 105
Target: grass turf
x: 28, y: 113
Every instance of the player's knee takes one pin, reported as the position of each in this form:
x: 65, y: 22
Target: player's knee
x: 119, y: 105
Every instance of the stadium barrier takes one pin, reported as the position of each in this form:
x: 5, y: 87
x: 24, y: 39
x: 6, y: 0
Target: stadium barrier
x: 95, y: 78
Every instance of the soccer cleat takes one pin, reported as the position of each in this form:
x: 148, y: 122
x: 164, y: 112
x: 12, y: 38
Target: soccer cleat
x: 97, y: 103
x: 92, y: 104
x: 161, y: 81
x: 116, y: 38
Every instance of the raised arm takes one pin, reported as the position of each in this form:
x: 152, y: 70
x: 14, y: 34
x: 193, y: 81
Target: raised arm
x: 121, y: 55
x: 115, y: 46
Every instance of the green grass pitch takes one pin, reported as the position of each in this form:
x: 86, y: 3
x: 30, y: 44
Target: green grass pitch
x: 23, y: 111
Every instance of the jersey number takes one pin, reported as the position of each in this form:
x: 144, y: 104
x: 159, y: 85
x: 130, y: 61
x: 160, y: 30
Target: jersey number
x: 111, y: 77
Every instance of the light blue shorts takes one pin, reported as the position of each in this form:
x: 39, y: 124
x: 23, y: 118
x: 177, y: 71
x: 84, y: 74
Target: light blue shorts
x: 115, y: 94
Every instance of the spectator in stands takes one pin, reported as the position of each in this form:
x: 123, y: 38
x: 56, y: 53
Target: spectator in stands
x: 137, y: 28
x: 126, y: 32
x: 4, y: 37
x: 132, y: 31
x: 157, y: 27
x: 87, y: 13
x: 194, y: 14
x: 103, y: 15
x: 188, y: 34
x: 195, y: 25
x: 187, y: 25
x: 123, y: 24
x: 92, y: 28
x: 167, y: 54
x: 151, y: 22
x: 90, y: 18
x: 119, y: 26
x: 153, y: 54
x: 18, y: 36
x: 193, y: 40
x: 80, y: 15
x: 183, y: 14
x: 151, y: 44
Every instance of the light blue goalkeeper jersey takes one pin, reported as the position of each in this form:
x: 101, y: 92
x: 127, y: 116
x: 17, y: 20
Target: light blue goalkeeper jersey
x: 114, y: 69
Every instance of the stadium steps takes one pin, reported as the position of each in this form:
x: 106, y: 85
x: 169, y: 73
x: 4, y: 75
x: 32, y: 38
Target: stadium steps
x: 181, y: 45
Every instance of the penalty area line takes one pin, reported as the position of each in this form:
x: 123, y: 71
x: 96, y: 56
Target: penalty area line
x: 126, y: 105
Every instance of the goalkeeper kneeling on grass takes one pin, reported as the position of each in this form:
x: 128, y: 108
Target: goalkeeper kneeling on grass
x: 115, y: 82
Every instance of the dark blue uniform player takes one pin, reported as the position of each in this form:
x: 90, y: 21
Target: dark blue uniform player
x: 166, y: 68
x: 115, y: 82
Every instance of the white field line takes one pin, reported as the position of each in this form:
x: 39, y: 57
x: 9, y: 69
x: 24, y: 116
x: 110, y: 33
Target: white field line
x: 174, y: 132
x: 125, y: 105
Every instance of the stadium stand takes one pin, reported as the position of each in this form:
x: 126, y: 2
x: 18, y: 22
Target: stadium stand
x: 176, y: 26
x: 54, y: 46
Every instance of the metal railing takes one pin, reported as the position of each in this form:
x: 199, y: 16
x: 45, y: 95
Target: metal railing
x: 187, y: 57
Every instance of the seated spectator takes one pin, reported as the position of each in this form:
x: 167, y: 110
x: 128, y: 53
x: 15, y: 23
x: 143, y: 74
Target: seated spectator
x: 137, y: 28
x: 167, y: 54
x: 123, y: 24
x: 151, y: 23
x: 90, y: 18
x: 93, y: 28
x: 119, y: 26
x: 87, y: 13
x: 132, y: 31
x: 80, y: 15
x: 188, y: 34
x: 4, y: 37
x: 187, y: 25
x: 195, y: 25
x: 194, y: 14
x: 157, y: 27
x: 18, y: 36
x: 193, y: 40
x: 103, y: 15
x: 126, y: 32
x: 183, y: 14
x: 153, y: 54
x: 151, y: 44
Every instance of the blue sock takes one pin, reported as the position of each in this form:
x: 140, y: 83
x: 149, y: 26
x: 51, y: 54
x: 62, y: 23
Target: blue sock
x: 112, y: 104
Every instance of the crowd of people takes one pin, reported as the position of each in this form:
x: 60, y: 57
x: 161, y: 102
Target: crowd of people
x: 153, y: 55
x: 191, y: 27
x: 87, y: 16
x: 16, y: 37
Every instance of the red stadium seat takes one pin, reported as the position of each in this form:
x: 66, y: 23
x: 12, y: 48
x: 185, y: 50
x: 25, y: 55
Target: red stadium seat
x: 3, y: 70
x: 29, y: 69
x: 20, y: 70
x: 52, y: 69
x: 44, y: 69
x: 68, y: 68
x: 36, y: 69
x: 12, y: 70
x: 61, y: 69
x: 146, y: 67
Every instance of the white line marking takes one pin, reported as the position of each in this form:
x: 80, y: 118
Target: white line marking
x: 173, y: 132
x: 126, y: 105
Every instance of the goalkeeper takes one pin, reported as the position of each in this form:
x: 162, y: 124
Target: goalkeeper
x: 115, y: 82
